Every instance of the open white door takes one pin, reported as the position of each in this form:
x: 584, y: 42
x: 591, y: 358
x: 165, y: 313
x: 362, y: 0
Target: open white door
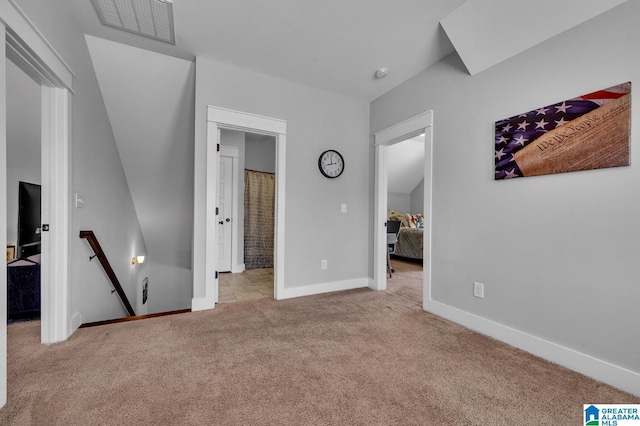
x: 225, y: 213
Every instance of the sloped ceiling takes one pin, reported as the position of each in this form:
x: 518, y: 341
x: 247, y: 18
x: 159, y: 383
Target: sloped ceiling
x: 405, y: 165
x: 332, y: 45
x: 150, y: 101
x: 485, y: 33
x: 337, y: 45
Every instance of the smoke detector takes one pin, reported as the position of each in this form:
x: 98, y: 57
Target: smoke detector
x: 148, y: 18
x: 381, y: 73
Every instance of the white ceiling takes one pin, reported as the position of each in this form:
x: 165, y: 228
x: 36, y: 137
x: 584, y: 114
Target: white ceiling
x: 334, y: 45
x: 337, y: 45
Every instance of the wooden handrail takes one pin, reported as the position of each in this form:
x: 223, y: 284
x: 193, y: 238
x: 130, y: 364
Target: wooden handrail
x: 95, y: 245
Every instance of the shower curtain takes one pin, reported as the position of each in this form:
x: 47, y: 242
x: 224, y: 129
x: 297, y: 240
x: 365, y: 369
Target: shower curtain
x: 259, y: 208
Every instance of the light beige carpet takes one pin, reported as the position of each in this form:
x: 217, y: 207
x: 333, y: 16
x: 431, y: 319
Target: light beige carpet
x: 350, y: 358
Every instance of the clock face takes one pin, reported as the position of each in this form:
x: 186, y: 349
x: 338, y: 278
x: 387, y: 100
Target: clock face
x: 331, y: 163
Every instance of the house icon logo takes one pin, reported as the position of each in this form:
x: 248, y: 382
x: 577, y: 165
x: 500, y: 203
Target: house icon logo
x: 592, y: 416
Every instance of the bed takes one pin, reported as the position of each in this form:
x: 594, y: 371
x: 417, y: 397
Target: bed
x: 410, y: 243
x: 410, y: 236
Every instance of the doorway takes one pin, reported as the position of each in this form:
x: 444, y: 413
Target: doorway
x: 205, y: 260
x: 414, y: 127
x: 246, y: 224
x: 405, y: 204
x: 23, y: 195
x: 37, y: 58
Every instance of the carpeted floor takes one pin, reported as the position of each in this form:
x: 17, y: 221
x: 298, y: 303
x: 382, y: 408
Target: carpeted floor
x: 350, y: 358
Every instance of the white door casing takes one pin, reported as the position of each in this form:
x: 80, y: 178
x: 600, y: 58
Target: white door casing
x: 225, y: 213
x: 205, y: 266
x: 422, y: 123
x: 31, y: 52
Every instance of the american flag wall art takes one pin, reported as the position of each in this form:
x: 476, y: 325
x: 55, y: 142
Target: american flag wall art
x: 588, y: 132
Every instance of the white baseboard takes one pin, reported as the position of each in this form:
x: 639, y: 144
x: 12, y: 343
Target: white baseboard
x: 202, y: 303
x: 76, y: 322
x: 309, y: 290
x: 595, y: 368
x: 236, y: 269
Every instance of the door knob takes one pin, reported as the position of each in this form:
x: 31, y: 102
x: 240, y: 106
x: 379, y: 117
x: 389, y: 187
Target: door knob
x: 228, y: 219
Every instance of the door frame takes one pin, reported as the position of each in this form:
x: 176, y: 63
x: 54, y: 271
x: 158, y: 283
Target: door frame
x: 27, y: 48
x: 223, y: 118
x: 422, y: 123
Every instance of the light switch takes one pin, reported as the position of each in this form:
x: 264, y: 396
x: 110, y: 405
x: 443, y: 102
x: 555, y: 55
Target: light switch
x: 343, y: 207
x: 79, y: 201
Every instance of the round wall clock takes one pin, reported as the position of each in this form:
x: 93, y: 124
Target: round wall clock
x: 331, y: 163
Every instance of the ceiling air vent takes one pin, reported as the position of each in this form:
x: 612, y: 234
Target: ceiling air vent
x: 148, y: 18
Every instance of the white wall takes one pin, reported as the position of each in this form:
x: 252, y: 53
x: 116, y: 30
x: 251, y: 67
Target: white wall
x: 260, y: 154
x: 169, y: 287
x: 97, y: 174
x: 149, y: 99
x: 558, y: 254
x: 417, y: 198
x: 316, y: 121
x: 399, y: 202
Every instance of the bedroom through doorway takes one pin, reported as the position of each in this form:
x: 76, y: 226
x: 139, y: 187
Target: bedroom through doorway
x: 405, y: 204
x: 246, y: 226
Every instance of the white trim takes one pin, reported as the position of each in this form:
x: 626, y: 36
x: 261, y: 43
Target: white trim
x: 379, y: 219
x: 404, y: 130
x: 246, y: 121
x: 56, y: 164
x: 19, y: 24
x: 3, y: 221
x: 202, y: 303
x: 76, y: 321
x: 204, y: 264
x: 309, y: 290
x: 281, y: 159
x: 236, y: 269
x: 421, y: 123
x: 603, y: 371
x: 211, y: 200
x: 427, y: 235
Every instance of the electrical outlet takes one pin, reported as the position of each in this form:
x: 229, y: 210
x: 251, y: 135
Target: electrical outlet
x: 343, y: 207
x: 478, y: 290
x: 323, y: 264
